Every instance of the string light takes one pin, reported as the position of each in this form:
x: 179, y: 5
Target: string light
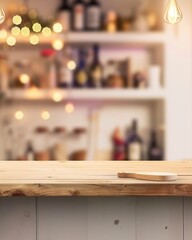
x: 16, y: 31
x: 25, y: 31
x: 17, y: 20
x: 46, y: 31
x: 37, y: 27
x: 173, y: 13
x: 57, y: 27
x: 34, y: 39
x: 11, y: 41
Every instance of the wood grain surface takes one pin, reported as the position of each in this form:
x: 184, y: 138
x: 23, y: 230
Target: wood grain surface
x: 92, y: 178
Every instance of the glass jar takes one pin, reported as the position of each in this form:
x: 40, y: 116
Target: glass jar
x: 59, y: 147
x: 79, y: 144
x: 41, y: 144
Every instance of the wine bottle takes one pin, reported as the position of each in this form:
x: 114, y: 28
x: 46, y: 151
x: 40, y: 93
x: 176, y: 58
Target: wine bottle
x: 30, y: 154
x: 64, y: 74
x: 78, y: 15
x: 93, y: 15
x: 96, y: 69
x: 154, y: 151
x: 81, y: 75
x: 118, y: 145
x: 134, y: 144
x: 64, y: 15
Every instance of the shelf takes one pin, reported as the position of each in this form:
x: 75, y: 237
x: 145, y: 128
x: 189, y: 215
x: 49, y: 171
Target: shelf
x: 58, y: 95
x: 119, y: 37
x: 147, y: 38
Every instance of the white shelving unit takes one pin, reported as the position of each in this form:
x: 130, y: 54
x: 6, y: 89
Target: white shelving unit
x: 87, y: 94
x: 169, y: 108
x: 133, y: 38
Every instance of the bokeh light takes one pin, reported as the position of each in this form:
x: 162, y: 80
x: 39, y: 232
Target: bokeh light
x: 3, y: 33
x: 46, y: 32
x: 69, y: 108
x: 71, y: 65
x: 19, y: 115
x: 58, y: 44
x: 57, y: 97
x: 57, y: 27
x: 24, y: 78
x: 17, y: 19
x: 11, y: 41
x: 45, y: 115
x: 16, y: 31
x: 37, y: 27
x: 25, y: 31
x: 34, y: 39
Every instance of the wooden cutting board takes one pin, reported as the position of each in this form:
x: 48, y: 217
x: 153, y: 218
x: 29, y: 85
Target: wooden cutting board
x: 151, y: 176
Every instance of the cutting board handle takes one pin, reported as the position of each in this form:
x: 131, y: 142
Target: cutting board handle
x: 151, y: 176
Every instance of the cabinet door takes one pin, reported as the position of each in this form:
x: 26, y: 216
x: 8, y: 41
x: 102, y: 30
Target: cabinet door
x: 17, y: 218
x: 187, y: 218
x: 111, y: 218
x: 61, y: 218
x: 159, y: 218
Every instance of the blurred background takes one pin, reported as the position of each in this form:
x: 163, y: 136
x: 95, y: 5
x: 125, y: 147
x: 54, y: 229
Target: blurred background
x: 95, y: 80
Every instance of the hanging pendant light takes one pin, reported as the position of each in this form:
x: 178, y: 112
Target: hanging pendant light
x: 173, y: 13
x: 2, y: 15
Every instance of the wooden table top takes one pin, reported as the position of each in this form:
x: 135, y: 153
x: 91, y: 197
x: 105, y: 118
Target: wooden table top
x: 91, y: 178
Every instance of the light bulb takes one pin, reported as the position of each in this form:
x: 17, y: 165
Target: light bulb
x: 2, y: 15
x: 173, y: 13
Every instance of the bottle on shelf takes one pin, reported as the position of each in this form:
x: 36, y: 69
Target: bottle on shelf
x: 30, y: 154
x: 96, y: 69
x: 64, y: 15
x: 93, y: 15
x: 154, y: 151
x: 64, y: 74
x: 111, y: 22
x: 139, y: 80
x: 118, y: 145
x: 134, y: 151
x: 80, y: 74
x: 78, y: 10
